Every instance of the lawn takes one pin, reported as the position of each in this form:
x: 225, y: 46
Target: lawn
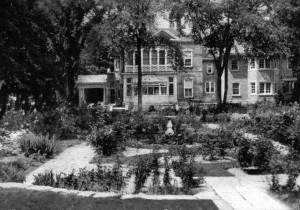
x: 215, y: 169
x: 20, y: 199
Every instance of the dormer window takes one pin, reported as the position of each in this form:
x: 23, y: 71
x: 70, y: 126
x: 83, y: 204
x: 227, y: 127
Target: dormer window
x: 209, y: 68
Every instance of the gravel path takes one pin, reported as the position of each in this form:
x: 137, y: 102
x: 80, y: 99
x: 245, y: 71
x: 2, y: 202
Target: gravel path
x: 73, y: 158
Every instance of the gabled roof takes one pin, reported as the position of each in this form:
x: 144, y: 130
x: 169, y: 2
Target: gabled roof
x: 172, y: 34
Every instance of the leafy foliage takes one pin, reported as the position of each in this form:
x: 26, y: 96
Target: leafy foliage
x: 31, y: 144
x: 100, y: 180
x: 109, y: 134
x: 12, y: 172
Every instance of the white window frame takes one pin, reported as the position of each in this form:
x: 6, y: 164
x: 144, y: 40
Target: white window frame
x: 212, y: 68
x: 210, y: 85
x: 250, y: 63
x: 255, y: 88
x: 265, y: 88
x: 265, y: 63
x: 239, y: 94
x: 184, y: 87
x: 184, y: 57
x: 237, y: 65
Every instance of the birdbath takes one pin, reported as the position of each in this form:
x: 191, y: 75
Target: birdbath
x: 169, y: 131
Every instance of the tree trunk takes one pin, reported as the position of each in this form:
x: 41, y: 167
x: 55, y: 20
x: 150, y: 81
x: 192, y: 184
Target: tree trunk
x: 225, y: 85
x: 71, y: 83
x: 219, y: 87
x: 3, y: 100
x: 139, y: 85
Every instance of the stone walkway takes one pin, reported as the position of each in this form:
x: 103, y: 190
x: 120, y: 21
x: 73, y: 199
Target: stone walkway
x: 73, y: 158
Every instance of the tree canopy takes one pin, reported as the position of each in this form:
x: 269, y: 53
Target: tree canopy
x: 222, y: 24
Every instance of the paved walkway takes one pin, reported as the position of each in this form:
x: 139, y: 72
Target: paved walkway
x: 241, y: 195
x: 73, y: 158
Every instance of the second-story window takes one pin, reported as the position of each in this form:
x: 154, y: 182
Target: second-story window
x: 146, y: 57
x: 234, y: 65
x: 188, y: 58
x: 252, y: 63
x: 154, y: 57
x: 171, y: 86
x: 129, y: 86
x: 130, y: 58
x: 264, y: 63
x: 162, y: 57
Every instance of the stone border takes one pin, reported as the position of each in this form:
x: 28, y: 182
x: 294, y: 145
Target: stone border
x: 221, y: 204
x: 93, y: 194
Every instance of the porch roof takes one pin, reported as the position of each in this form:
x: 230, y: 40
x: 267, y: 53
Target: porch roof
x: 86, y: 80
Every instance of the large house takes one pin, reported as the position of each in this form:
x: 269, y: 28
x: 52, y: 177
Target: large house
x: 249, y: 79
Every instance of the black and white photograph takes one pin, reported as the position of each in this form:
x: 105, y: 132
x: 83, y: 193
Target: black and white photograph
x: 150, y: 105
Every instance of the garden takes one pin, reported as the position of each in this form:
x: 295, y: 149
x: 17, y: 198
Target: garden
x: 135, y: 155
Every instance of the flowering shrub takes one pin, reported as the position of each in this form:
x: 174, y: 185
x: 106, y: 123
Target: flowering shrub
x: 31, y: 144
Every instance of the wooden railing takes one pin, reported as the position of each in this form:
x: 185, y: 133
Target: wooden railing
x: 134, y: 69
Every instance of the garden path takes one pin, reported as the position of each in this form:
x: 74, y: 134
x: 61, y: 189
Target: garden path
x: 241, y: 195
x: 72, y: 159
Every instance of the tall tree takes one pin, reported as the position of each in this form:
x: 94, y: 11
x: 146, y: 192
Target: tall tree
x: 71, y: 21
x: 136, y: 20
x: 219, y: 25
x: 26, y: 66
x: 131, y: 26
x: 287, y: 12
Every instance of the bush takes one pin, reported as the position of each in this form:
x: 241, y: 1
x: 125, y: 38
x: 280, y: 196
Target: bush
x: 31, y: 144
x: 264, y: 151
x: 100, y: 180
x: 245, y: 153
x: 108, y: 138
x: 185, y: 168
x: 12, y: 172
x: 142, y: 171
x: 3, y: 134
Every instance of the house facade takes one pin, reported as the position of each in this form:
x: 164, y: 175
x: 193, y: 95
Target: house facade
x: 162, y: 83
x: 250, y: 80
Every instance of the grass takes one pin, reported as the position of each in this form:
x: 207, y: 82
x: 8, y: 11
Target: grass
x: 210, y: 169
x: 34, y: 200
x: 215, y: 169
x: 292, y: 199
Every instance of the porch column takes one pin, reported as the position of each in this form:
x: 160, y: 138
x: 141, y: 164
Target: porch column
x: 81, y: 96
